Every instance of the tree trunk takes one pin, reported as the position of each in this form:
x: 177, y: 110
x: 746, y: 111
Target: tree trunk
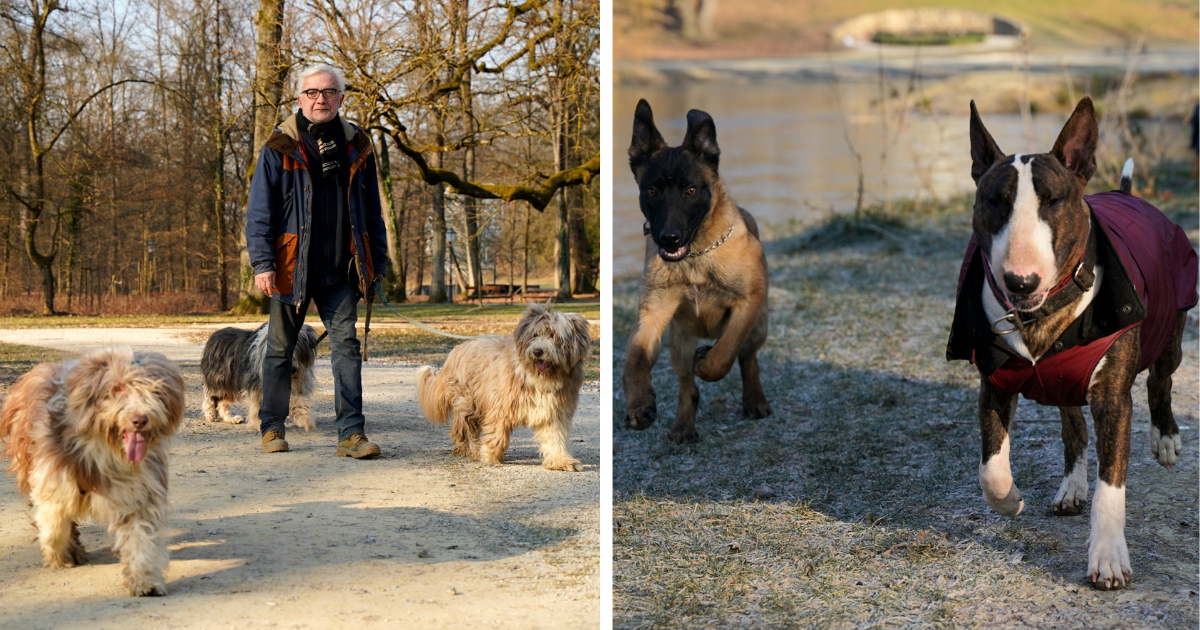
x: 437, y: 264
x: 395, y: 278
x: 219, y: 176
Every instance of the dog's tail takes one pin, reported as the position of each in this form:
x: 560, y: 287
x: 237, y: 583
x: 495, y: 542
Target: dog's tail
x: 434, y: 403
x: 24, y: 407
x: 1127, y: 176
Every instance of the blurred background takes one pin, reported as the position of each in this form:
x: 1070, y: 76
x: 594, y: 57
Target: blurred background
x: 832, y: 107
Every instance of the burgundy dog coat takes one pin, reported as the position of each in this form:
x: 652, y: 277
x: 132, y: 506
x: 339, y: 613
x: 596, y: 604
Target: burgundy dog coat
x: 1150, y: 272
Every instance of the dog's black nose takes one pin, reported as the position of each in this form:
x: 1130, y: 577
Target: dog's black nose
x: 1018, y: 285
x: 670, y: 239
x: 537, y: 352
x: 139, y: 421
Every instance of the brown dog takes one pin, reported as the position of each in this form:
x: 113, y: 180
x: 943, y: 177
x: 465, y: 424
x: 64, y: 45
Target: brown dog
x: 705, y: 276
x: 1064, y: 298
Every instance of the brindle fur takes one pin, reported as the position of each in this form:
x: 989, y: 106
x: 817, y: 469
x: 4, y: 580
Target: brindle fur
x: 1064, y: 177
x: 721, y: 294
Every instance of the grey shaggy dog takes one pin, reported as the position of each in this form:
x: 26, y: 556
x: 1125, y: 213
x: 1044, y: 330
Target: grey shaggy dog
x: 232, y: 367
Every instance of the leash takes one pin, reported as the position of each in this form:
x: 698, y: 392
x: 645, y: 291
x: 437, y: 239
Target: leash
x: 426, y: 327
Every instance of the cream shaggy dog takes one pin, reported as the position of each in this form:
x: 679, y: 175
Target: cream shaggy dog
x: 232, y: 365
x: 493, y: 385
x: 89, y: 437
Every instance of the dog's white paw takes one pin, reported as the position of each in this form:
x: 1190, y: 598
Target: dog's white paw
x: 996, y: 481
x: 569, y: 465
x: 1165, y: 448
x: 146, y: 586
x: 304, y: 422
x: 1072, y: 494
x: 1108, y: 557
x: 233, y: 419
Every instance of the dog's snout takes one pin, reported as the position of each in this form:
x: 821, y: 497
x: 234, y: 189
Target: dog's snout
x: 670, y: 238
x: 538, y: 352
x: 1021, y: 285
x: 139, y: 421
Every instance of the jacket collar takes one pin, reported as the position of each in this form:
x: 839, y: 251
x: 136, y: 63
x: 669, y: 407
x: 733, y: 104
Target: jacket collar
x: 286, y: 136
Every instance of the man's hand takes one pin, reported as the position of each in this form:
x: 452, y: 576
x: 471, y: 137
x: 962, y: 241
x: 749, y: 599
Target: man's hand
x: 266, y: 283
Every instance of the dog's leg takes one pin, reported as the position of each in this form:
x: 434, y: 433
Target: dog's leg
x: 556, y: 455
x: 1109, y: 396
x: 494, y: 445
x: 253, y: 405
x: 995, y: 472
x: 682, y: 345
x: 301, y: 403
x: 209, y: 406
x: 223, y: 409
x: 656, y: 308
x: 55, y: 510
x: 140, y: 540
x: 712, y: 363
x: 1165, y: 444
x: 754, y: 399
x: 1072, y: 494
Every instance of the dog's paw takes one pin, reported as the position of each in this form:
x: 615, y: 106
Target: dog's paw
x: 233, y: 419
x: 704, y: 367
x: 1008, y: 505
x: 683, y: 435
x: 1073, y: 493
x: 1108, y: 562
x: 147, y: 587
x: 756, y: 409
x: 1165, y: 448
x: 305, y: 422
x: 640, y: 418
x: 569, y: 465
x: 65, y: 559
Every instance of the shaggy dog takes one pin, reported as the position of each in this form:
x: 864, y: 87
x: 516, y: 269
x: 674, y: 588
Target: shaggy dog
x: 493, y: 385
x: 89, y: 437
x: 232, y: 365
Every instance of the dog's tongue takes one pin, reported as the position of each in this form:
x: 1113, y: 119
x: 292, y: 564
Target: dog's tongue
x: 135, y: 446
x: 542, y: 366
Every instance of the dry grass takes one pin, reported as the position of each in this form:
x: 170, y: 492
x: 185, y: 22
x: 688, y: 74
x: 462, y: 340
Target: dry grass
x: 856, y: 504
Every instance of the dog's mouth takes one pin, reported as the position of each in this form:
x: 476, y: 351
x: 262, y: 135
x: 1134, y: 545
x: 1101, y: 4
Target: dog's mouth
x: 673, y: 255
x: 135, y: 445
x: 1027, y: 302
x: 542, y: 366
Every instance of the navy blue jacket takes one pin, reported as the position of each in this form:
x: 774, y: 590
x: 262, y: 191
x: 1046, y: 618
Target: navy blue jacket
x: 279, y: 213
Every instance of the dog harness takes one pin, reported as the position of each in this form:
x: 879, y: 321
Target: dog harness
x: 1150, y: 273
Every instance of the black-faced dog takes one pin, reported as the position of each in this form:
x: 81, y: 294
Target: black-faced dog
x: 232, y: 365
x: 705, y: 276
x: 1064, y: 299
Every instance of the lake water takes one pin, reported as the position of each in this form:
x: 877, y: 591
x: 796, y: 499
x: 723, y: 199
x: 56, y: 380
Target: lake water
x: 785, y: 153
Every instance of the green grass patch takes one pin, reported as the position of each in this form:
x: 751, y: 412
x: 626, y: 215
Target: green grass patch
x: 927, y: 39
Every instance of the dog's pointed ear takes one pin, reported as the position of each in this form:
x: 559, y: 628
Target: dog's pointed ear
x: 1076, y: 144
x: 984, y: 151
x: 646, y: 139
x: 701, y: 137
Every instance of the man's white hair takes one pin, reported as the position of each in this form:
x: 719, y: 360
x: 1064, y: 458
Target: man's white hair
x: 320, y: 68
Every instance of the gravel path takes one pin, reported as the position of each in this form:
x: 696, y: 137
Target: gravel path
x: 305, y: 539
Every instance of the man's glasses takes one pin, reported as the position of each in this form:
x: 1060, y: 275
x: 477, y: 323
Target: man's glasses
x: 328, y: 94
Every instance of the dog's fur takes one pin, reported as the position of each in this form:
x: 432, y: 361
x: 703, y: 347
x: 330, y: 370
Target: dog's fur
x: 1033, y: 237
x: 492, y: 385
x: 718, y: 291
x: 89, y: 437
x: 232, y: 366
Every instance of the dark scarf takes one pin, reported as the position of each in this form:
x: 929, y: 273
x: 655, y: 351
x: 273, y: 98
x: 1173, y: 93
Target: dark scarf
x: 329, y: 249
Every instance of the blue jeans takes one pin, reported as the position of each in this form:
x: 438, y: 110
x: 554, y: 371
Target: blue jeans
x: 338, y: 307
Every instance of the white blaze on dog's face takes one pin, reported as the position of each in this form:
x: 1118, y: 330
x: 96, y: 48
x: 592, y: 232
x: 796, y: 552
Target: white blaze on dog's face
x: 1030, y: 218
x: 551, y: 343
x: 133, y: 399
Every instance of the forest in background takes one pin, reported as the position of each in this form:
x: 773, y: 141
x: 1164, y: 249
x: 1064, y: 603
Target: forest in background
x: 131, y: 130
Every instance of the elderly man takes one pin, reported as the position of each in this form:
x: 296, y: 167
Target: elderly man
x: 314, y: 230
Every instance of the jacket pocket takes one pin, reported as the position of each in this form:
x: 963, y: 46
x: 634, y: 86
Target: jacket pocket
x: 287, y: 248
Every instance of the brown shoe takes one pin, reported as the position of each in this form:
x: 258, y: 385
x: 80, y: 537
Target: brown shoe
x: 273, y: 442
x: 358, y: 447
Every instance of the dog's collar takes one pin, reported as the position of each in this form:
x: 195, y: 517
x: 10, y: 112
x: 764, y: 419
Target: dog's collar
x: 1063, y: 294
x: 718, y: 243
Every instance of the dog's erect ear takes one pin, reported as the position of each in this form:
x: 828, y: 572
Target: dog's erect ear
x: 984, y: 152
x: 701, y: 137
x: 1076, y: 144
x: 646, y: 139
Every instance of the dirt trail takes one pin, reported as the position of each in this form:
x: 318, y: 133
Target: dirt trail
x: 305, y: 539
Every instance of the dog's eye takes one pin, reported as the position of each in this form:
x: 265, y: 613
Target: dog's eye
x: 691, y: 190
x: 650, y: 192
x: 118, y: 389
